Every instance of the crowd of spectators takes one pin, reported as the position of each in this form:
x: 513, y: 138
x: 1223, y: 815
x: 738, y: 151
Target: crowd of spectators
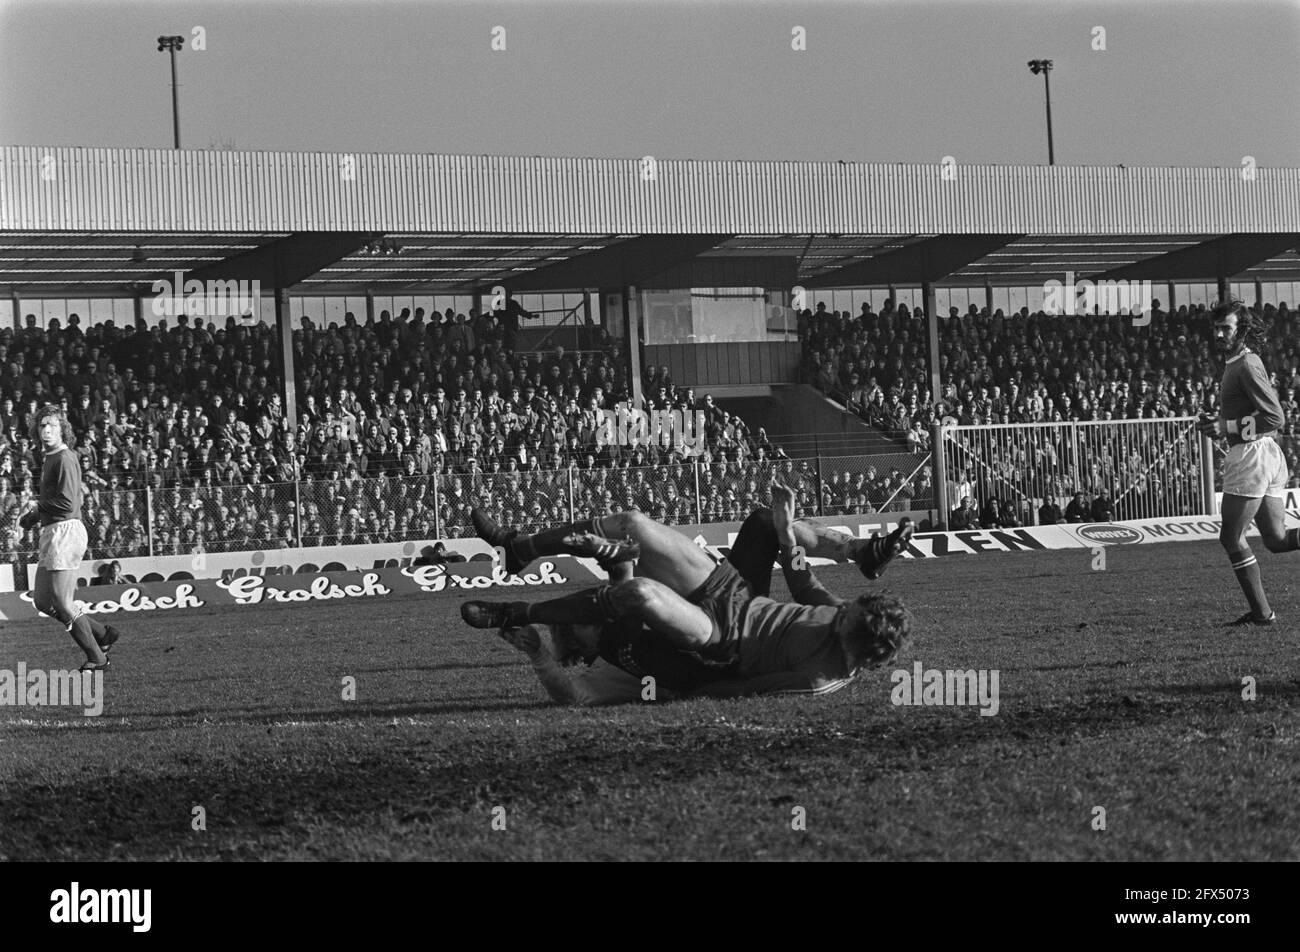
x: 1039, y: 368
x: 402, y: 424
x: 1030, y: 368
x: 407, y: 421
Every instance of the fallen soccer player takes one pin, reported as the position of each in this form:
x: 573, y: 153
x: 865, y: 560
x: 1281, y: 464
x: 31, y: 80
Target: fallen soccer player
x: 690, y: 625
x: 753, y: 554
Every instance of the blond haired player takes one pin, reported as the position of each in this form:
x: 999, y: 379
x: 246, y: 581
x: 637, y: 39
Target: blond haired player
x: 692, y: 626
x: 63, y: 538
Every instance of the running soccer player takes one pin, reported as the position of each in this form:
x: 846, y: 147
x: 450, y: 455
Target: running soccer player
x: 694, y: 626
x: 63, y: 538
x: 1255, y: 471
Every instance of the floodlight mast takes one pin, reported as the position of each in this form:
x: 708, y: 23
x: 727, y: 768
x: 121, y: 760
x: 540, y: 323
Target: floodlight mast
x: 173, y: 44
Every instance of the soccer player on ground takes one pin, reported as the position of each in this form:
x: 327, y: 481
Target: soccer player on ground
x: 1255, y: 471
x: 63, y: 538
x: 695, y: 626
x: 755, y: 550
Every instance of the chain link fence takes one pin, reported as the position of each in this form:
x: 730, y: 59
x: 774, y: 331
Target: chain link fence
x: 1143, y: 468
x: 886, y: 482
x: 1151, y: 468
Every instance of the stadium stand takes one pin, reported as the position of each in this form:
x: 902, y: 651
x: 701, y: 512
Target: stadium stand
x: 406, y: 423
x: 403, y: 426
x: 1037, y: 368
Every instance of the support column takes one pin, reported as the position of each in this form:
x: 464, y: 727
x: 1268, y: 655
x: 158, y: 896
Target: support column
x: 632, y: 325
x: 370, y: 306
x: 1173, y: 298
x: 932, y: 322
x: 587, y: 317
x: 988, y: 298
x: 939, y: 454
x: 1259, y: 294
x: 1223, y: 287
x: 288, y: 384
x: 140, y: 322
x: 18, y: 310
x: 1208, y: 501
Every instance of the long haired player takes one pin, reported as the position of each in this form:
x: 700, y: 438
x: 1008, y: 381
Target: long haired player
x: 1255, y: 471
x: 63, y: 538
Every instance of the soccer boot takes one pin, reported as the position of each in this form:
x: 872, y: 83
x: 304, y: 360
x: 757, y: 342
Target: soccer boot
x: 496, y: 536
x: 97, y: 665
x: 1250, y: 619
x: 498, y: 615
x: 873, y: 555
x: 111, y: 635
x: 606, y: 552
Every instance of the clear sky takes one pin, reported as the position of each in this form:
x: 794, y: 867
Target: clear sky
x: 1178, y: 83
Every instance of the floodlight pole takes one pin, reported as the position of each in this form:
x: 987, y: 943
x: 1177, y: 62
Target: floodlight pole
x: 1047, y: 85
x: 172, y: 44
x: 1044, y: 66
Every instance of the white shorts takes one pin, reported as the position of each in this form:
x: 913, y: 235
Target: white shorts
x: 1255, y: 469
x: 62, y: 545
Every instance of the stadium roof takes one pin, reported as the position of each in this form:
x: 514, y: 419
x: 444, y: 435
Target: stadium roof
x: 105, y: 222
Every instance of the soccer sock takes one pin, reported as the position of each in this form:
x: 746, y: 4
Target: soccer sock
x: 591, y: 607
x: 548, y: 541
x: 1246, y: 568
x: 97, y: 628
x: 84, y: 636
x: 1292, y: 540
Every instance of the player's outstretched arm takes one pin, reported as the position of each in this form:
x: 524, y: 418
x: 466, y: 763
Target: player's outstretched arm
x: 803, y: 584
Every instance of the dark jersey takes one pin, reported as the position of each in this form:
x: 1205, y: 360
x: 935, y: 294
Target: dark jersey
x: 779, y: 637
x: 643, y: 653
x: 60, y: 487
x: 1247, y: 391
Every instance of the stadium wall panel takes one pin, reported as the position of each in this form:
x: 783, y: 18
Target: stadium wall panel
x: 726, y: 364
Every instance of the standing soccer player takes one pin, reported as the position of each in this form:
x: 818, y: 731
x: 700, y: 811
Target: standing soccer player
x: 1255, y: 471
x: 63, y: 538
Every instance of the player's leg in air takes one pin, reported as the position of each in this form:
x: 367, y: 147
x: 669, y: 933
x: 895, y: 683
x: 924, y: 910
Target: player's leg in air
x: 756, y: 548
x: 636, y: 601
x: 662, y: 554
x: 669, y: 557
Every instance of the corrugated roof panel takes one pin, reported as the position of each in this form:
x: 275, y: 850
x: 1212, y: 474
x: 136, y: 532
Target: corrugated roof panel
x: 259, y: 191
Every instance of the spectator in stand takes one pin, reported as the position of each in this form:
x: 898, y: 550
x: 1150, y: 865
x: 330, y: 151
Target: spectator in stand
x: 1078, y: 510
x: 991, y: 516
x: 1103, y: 509
x: 963, y: 517
x: 1049, y: 513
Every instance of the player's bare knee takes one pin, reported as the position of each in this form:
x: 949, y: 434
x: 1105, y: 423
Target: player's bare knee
x: 1276, y: 543
x: 633, y: 522
x: 1231, y: 540
x: 634, y: 596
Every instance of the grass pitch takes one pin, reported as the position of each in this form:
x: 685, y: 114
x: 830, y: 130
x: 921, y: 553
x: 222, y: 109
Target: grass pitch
x: 1117, y: 690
